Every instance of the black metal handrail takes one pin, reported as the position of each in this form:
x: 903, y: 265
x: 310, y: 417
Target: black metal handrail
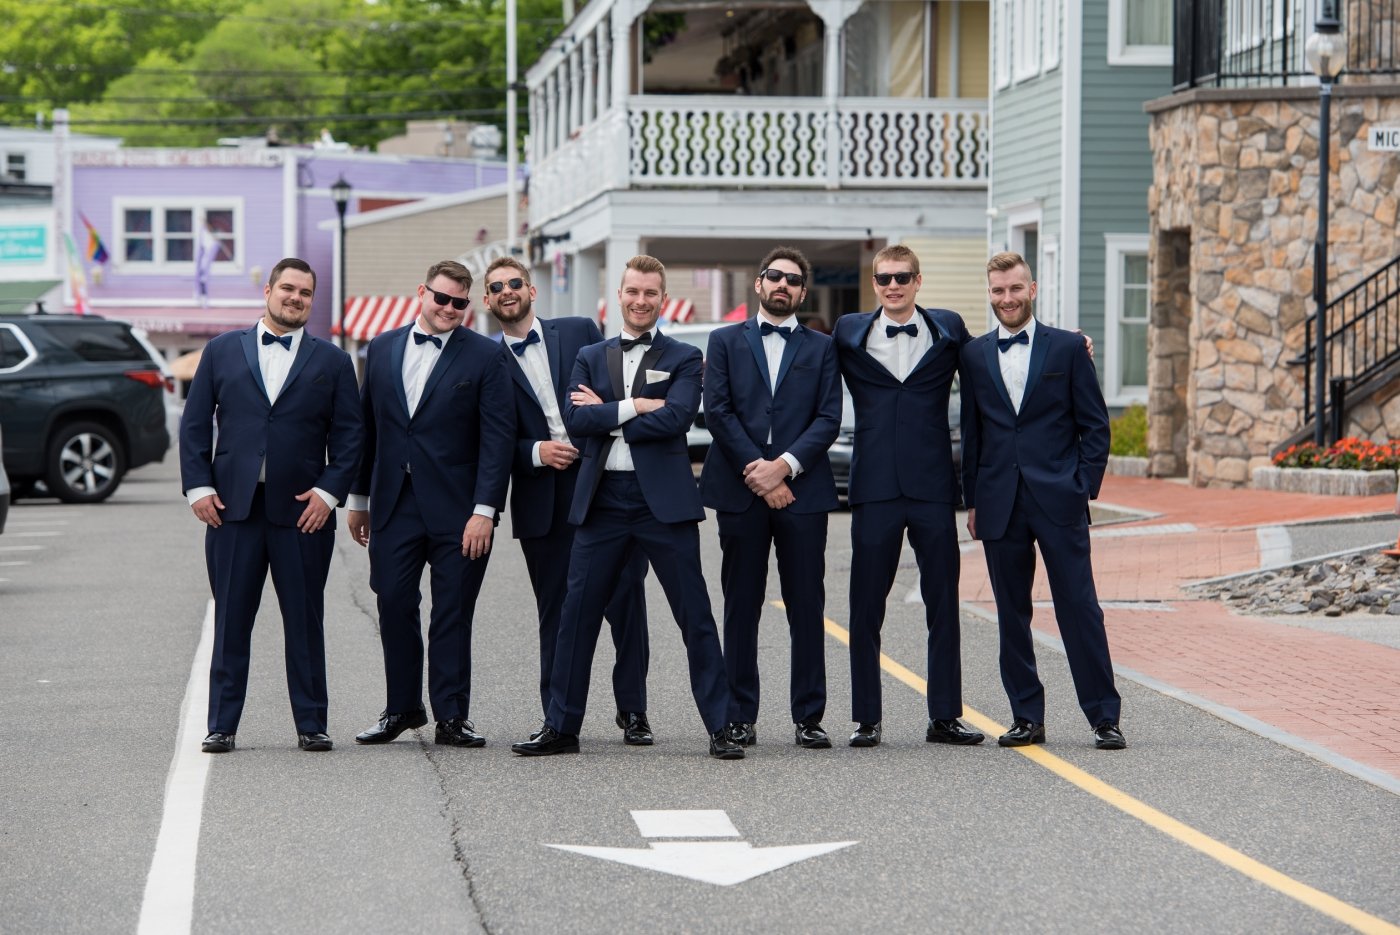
x: 1256, y: 43
x: 1363, y: 335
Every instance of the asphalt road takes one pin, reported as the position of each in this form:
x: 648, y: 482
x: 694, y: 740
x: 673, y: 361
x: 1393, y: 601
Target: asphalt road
x: 100, y: 615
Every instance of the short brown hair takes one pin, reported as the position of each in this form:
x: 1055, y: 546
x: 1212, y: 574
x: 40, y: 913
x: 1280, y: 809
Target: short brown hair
x: 290, y: 262
x: 513, y: 263
x: 897, y: 253
x: 452, y: 270
x: 646, y: 264
x: 792, y: 255
x: 1007, y: 260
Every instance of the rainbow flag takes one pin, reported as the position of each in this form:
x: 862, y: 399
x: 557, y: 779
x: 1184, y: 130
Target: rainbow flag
x: 96, y: 250
x: 77, y: 277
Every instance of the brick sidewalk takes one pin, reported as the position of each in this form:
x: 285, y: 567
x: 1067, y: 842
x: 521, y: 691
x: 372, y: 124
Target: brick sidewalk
x: 1335, y: 692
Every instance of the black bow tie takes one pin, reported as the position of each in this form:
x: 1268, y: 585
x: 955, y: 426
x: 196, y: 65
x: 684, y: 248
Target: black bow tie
x: 767, y: 328
x: 421, y: 338
x: 285, y: 339
x: 519, y: 346
x: 910, y: 329
x: 1020, y: 337
x: 629, y: 343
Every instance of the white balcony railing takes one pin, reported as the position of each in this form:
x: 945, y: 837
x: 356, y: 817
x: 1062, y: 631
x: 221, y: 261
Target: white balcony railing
x: 730, y: 142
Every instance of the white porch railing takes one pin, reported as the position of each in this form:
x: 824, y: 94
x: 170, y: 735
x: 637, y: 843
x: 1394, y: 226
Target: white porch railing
x: 730, y: 142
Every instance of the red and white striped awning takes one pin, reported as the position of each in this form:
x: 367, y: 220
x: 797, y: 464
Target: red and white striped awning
x: 675, y: 310
x: 367, y: 316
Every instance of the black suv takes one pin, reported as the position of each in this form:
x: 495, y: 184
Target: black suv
x: 81, y: 401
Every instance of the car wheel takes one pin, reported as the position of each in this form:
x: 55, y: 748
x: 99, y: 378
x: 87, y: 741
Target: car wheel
x: 85, y: 464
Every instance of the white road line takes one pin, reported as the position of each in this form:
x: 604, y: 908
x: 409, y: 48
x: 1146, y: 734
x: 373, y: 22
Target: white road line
x: 684, y: 823
x: 14, y: 523
x: 168, y: 905
x: 21, y: 548
x: 35, y: 533
x: 12, y: 564
x: 1275, y: 546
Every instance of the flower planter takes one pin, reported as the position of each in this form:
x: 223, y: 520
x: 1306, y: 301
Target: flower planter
x: 1325, y: 481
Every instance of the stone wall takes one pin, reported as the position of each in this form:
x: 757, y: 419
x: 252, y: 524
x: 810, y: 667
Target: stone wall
x: 1234, y: 195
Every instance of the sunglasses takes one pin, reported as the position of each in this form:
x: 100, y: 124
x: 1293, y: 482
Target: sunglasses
x: 442, y: 298
x: 498, y: 287
x: 883, y: 279
x: 776, y: 275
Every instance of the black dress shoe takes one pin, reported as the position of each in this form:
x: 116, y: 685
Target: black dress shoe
x: 314, y: 742
x: 952, y: 731
x: 635, y: 729
x: 217, y: 743
x: 722, y: 748
x: 391, y: 725
x: 547, y: 743
x: 1106, y: 737
x: 458, y: 732
x: 811, y: 736
x: 1022, y: 734
x: 742, y: 733
x: 866, y: 735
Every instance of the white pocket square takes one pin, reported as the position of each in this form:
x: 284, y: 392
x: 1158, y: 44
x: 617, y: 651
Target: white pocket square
x: 656, y: 376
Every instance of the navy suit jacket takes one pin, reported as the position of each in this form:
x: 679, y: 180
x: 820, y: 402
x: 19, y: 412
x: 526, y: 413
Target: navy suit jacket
x: 458, y: 442
x: 657, y: 439
x: 802, y: 410
x: 535, y: 490
x: 1058, y: 443
x: 310, y: 437
x: 903, y: 443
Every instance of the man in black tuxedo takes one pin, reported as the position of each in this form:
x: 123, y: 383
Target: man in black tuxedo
x: 268, y: 446
x: 773, y: 405
x: 540, y: 354
x: 1035, y: 446
x: 439, y: 429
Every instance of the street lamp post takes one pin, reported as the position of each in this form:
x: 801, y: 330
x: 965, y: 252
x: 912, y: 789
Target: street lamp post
x: 1326, y: 54
x: 340, y: 194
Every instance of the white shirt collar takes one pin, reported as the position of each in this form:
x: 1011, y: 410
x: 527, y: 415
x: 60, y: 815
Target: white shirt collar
x: 1029, y: 329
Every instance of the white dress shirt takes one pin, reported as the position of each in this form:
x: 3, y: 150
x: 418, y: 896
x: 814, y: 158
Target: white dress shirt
x: 900, y: 353
x: 773, y: 347
x: 620, y: 457
x: 1016, y: 363
x: 418, y: 362
x: 535, y: 363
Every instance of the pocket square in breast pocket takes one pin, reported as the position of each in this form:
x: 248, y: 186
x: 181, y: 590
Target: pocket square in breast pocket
x: 656, y: 376
x: 461, y: 386
x: 320, y: 379
x: 1057, y: 373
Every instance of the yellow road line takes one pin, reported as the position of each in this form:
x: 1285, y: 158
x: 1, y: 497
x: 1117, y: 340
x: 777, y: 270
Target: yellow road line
x: 1345, y: 913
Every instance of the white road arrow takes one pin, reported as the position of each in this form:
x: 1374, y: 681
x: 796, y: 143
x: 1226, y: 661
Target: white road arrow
x: 723, y: 863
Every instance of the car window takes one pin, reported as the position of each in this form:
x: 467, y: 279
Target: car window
x: 100, y: 342
x: 12, y: 350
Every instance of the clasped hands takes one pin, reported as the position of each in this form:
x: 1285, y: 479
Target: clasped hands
x: 768, y: 479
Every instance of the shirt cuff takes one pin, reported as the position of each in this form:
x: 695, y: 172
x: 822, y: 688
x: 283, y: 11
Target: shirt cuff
x: 535, y: 455
x: 483, y: 510
x: 331, y: 501
x: 357, y: 501
x: 794, y: 466
x: 195, y: 494
x: 626, y: 410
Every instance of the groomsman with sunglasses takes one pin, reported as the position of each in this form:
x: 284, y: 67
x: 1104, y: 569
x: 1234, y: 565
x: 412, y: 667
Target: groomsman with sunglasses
x: 899, y: 362
x: 439, y: 432
x: 540, y: 355
x: 773, y: 404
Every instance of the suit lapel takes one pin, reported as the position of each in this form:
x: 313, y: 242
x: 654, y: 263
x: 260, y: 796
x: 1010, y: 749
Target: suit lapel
x: 639, y: 379
x: 992, y: 356
x: 305, y: 348
x: 613, y: 353
x: 455, y: 342
x: 396, y: 352
x: 1040, y: 347
x: 790, y: 351
x: 753, y: 335
x: 250, y: 354
x: 552, y: 350
x: 516, y: 365
x: 939, y: 335
x: 862, y: 341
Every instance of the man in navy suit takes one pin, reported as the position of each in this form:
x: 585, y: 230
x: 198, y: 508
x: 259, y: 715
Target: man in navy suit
x: 268, y: 446
x: 1035, y: 445
x: 539, y: 356
x: 899, y: 362
x: 632, y: 399
x: 773, y: 405
x: 439, y: 431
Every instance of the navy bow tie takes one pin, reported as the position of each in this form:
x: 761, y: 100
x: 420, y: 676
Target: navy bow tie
x: 767, y: 328
x: 519, y: 347
x: 629, y: 343
x: 421, y: 338
x: 1020, y: 337
x: 910, y: 329
x: 285, y: 340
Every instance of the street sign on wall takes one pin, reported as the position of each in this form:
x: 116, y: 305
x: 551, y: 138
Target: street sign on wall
x: 23, y: 243
x: 1383, y: 139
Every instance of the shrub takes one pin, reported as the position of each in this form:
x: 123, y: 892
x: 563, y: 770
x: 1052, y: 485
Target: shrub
x: 1348, y: 454
x: 1129, y: 432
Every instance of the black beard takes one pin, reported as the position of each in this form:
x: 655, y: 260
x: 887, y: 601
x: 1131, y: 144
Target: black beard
x: 765, y: 303
x: 521, y: 310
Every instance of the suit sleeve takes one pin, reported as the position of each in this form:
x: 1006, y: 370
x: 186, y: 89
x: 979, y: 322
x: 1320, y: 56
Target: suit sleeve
x: 970, y: 421
x: 589, y: 421
x: 682, y: 402
x: 819, y: 436
x: 720, y: 418
x: 591, y: 334
x: 1090, y: 419
x: 345, y: 441
x: 497, y: 436
x: 197, y: 428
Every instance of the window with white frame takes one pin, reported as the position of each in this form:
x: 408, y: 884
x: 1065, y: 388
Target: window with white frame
x: 1126, y: 293
x: 1002, y: 45
x: 1050, y: 35
x: 155, y: 234
x: 15, y: 167
x: 1025, y: 39
x: 1139, y: 32
x: 1047, y: 296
